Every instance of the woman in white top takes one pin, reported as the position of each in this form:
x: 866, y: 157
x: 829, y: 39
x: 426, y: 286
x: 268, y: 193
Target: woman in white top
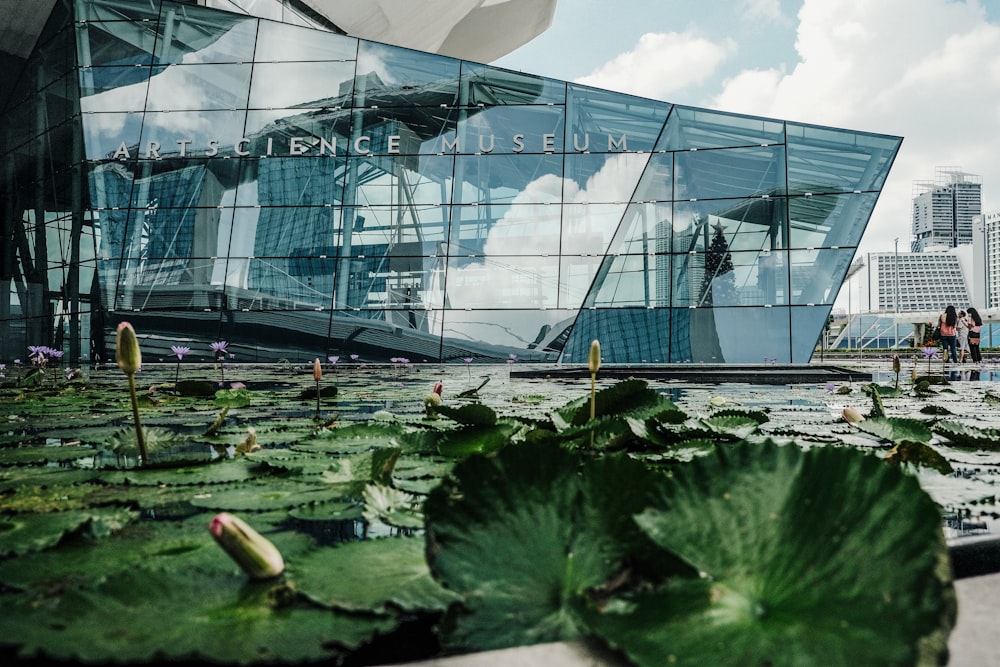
x: 962, y: 336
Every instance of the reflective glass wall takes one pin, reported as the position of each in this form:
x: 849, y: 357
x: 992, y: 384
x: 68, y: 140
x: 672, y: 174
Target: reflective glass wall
x: 299, y: 192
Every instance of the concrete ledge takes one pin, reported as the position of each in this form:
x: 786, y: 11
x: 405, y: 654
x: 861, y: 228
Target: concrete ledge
x: 708, y: 373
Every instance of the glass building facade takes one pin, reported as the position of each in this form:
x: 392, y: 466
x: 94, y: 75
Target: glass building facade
x: 207, y: 175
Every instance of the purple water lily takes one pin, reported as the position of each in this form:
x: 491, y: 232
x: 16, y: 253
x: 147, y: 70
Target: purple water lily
x: 179, y: 352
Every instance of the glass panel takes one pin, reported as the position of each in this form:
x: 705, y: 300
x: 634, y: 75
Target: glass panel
x: 603, y: 177
x: 807, y: 327
x: 823, y: 160
x: 644, y: 230
x: 601, y: 121
x: 52, y: 59
x: 509, y: 129
x: 280, y: 42
x: 627, y: 335
x: 524, y: 333
x: 628, y: 280
x: 657, y: 182
x: 138, y: 12
x: 392, y: 76
x: 294, y: 182
x: 509, y: 230
x: 502, y: 282
x: 738, y: 278
x: 191, y: 34
x: 589, y: 228
x: 313, y: 84
x: 491, y: 86
x: 282, y: 283
x: 115, y: 43
x: 829, y: 220
x: 817, y: 274
x: 491, y: 179
x: 298, y: 132
x: 399, y: 130
x: 701, y: 128
x: 769, y: 343
x: 404, y: 188
x: 394, y: 225
x: 106, y: 134
x: 113, y: 88
x: 746, y: 224
x: 183, y: 87
x: 194, y: 134
x: 738, y: 172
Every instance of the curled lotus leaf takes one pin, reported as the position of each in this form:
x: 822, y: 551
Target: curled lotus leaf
x: 966, y: 435
x: 896, y: 429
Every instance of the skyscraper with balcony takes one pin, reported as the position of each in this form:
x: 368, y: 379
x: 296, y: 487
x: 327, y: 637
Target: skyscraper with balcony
x: 943, y: 209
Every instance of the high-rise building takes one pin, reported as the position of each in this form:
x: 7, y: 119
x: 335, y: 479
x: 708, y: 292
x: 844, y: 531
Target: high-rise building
x: 261, y: 177
x: 911, y: 282
x: 943, y: 209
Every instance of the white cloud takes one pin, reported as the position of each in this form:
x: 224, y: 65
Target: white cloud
x: 662, y: 63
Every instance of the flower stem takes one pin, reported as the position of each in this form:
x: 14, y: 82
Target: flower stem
x: 143, y: 458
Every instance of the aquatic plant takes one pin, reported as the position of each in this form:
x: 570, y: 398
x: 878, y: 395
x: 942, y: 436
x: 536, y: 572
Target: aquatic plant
x: 179, y: 352
x: 257, y: 556
x: 317, y: 376
x: 220, y: 349
x: 129, y: 358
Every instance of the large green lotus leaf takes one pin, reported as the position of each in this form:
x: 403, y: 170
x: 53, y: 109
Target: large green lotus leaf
x: 329, y: 511
x: 352, y: 438
x: 40, y: 455
x: 632, y: 398
x: 820, y: 557
x: 522, y: 535
x: 216, y: 472
x: 470, y: 440
x: 966, y: 435
x: 896, y: 429
x: 371, y: 575
x: 271, y: 494
x: 472, y: 414
x: 154, y: 615
x: 23, y: 533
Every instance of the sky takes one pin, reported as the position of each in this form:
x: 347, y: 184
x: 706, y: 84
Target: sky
x: 925, y: 70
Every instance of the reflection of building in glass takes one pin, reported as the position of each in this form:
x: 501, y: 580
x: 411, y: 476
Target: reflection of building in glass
x: 212, y: 182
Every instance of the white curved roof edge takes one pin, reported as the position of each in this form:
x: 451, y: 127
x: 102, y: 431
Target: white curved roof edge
x: 477, y: 30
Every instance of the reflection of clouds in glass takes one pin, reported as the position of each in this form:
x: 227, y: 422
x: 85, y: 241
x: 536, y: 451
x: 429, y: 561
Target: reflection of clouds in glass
x: 371, y: 61
x: 507, y: 280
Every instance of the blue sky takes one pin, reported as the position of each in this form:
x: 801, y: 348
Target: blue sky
x: 926, y: 70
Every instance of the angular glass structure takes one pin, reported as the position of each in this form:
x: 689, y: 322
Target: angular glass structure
x: 208, y: 175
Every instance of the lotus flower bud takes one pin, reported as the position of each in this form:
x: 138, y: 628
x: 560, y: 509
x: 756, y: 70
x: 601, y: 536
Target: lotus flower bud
x: 438, y: 388
x: 852, y: 416
x: 254, y: 553
x: 317, y: 370
x: 896, y: 365
x: 127, y: 352
x: 594, y: 361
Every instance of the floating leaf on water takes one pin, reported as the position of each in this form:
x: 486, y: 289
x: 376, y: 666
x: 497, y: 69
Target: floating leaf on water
x: 829, y: 534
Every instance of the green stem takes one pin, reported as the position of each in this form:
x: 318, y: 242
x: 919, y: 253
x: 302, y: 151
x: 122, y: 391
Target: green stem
x: 593, y: 396
x: 317, y: 399
x: 135, y: 416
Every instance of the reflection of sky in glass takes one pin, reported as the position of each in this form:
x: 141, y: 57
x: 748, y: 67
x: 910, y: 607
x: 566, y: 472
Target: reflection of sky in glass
x: 498, y: 280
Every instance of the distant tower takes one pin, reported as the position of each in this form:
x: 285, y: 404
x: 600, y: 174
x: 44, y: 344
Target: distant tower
x: 943, y: 209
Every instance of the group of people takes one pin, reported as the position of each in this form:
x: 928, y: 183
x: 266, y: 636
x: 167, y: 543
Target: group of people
x: 960, y: 331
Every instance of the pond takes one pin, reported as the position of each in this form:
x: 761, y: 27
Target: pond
x: 72, y: 499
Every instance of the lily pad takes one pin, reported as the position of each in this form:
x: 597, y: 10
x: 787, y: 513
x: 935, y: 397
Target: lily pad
x: 826, y: 556
x: 522, y: 535
x: 395, y: 575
